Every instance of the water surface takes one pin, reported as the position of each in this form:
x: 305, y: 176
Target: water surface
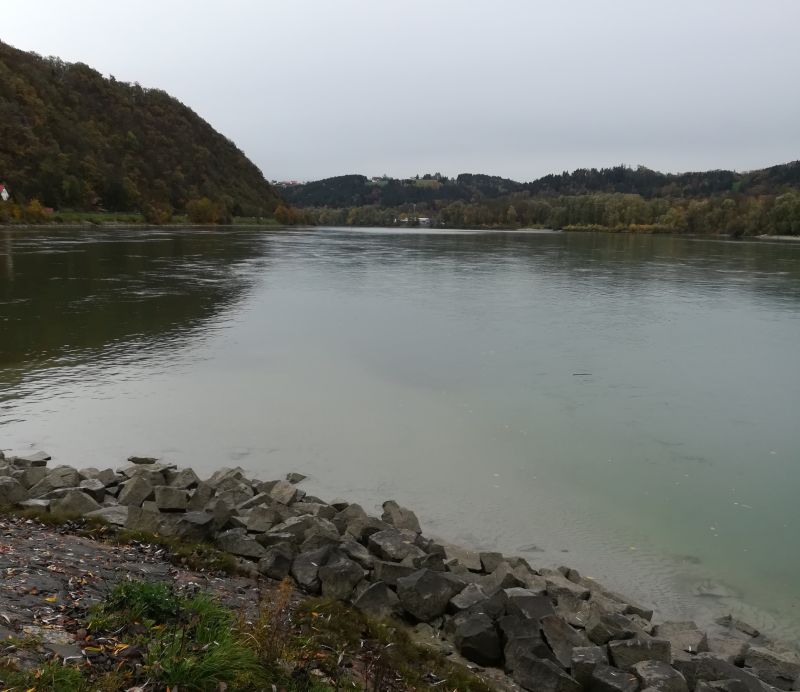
x: 626, y: 405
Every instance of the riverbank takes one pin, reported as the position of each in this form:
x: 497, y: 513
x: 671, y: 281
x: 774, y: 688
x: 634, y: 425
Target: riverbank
x: 518, y: 626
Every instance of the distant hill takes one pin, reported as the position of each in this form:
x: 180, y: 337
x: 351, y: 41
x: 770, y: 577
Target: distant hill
x: 358, y: 190
x: 76, y: 140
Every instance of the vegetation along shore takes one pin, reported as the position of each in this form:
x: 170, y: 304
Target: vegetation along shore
x: 149, y: 578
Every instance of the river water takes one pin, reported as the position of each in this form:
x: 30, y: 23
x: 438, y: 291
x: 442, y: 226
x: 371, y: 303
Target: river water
x: 626, y: 405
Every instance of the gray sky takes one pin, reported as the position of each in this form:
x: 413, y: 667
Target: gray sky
x: 310, y: 89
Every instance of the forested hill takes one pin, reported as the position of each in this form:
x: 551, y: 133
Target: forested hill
x: 75, y: 140
x: 358, y: 190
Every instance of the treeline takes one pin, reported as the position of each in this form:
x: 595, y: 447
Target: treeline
x: 435, y: 189
x: 72, y: 139
x: 730, y: 214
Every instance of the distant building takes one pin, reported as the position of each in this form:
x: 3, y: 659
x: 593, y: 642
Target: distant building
x: 4, y: 192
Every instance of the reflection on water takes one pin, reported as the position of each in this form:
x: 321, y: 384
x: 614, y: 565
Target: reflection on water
x: 626, y: 405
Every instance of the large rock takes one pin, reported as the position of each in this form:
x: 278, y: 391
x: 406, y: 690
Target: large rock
x: 526, y: 603
x: 339, y: 576
x: 261, y: 519
x: 391, y: 572
x: 400, y: 517
x: 394, y: 544
x: 521, y: 637
x: 729, y: 648
x: 425, y: 594
x: 471, y: 596
x: 74, y: 502
x: 477, y: 639
x: 378, y: 600
x: 305, y: 568
x: 683, y: 636
x: 283, y: 492
x: 194, y: 526
x: 116, y: 515
x: 490, y: 561
x: 780, y: 670
x: 707, y: 667
x: 601, y: 628
x: 135, y: 491
x: 93, y: 487
x: 503, y: 577
x: 294, y: 478
x: 200, y: 497
x: 58, y: 477
x: 277, y: 561
x: 628, y: 652
x: 169, y: 499
x: 31, y: 476
x: 561, y: 638
x: 31, y: 460
x: 184, y: 479
x: 661, y: 676
x: 559, y: 586
x: 584, y: 660
x: 315, y: 509
x: 540, y: 675
x: 237, y: 542
x: 470, y: 559
x: 358, y: 553
x: 12, y: 492
x: 607, y: 679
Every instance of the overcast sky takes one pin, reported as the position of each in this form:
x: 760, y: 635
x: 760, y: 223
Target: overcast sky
x: 311, y: 89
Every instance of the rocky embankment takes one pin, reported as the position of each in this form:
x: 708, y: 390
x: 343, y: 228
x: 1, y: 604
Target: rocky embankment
x: 547, y: 629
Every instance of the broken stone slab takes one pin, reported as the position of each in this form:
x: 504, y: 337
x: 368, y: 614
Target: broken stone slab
x: 607, y: 679
x: 527, y: 604
x: 41, y: 504
x: 135, y: 491
x: 378, y: 600
x: 541, y: 675
x: 471, y: 559
x: 780, y: 670
x: 294, y: 478
x: 12, y: 492
x: 683, y: 636
x: 425, y: 594
x: 237, y: 542
x: 400, y: 517
x: 361, y: 529
x: 390, y: 572
x: 261, y: 519
x: 75, y: 502
x: 658, y: 675
x: 339, y: 576
x: 200, y: 497
x: 314, y: 509
x: 470, y: 596
x: 707, y: 667
x: 584, y: 660
x: 277, y: 561
x: 561, y: 638
x: 169, y: 499
x: 626, y: 653
x: 225, y: 473
x: 476, y: 639
x: 601, y: 628
x: 31, y: 476
x: 142, y: 460
x: 57, y: 477
x: 94, y: 488
x: 503, y: 577
x: 730, y: 649
x: 29, y: 460
x: 283, y: 492
x: 305, y: 568
x: 116, y: 515
x: 490, y: 561
x: 736, y: 624
x: 394, y: 544
x: 183, y: 479
x: 559, y: 585
x: 194, y: 526
x: 357, y: 552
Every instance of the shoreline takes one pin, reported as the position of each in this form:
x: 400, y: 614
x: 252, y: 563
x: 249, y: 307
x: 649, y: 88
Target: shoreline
x: 491, y: 608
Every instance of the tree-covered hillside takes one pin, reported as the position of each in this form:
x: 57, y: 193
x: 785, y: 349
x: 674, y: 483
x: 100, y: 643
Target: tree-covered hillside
x: 75, y: 140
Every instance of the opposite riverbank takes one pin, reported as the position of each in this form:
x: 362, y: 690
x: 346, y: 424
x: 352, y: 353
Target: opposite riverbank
x: 515, y: 626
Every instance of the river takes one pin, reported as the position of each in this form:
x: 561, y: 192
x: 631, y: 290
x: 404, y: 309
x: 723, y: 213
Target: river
x: 626, y: 405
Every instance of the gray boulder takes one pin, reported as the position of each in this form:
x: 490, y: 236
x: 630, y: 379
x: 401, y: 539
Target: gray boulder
x: 194, y: 526
x: 74, y: 502
x: 559, y: 586
x: 780, y: 670
x: 490, y: 561
x: 378, y: 600
x: 58, y: 477
x: 607, y: 679
x: 707, y: 667
x: 283, y: 492
x: 31, y: 476
x: 627, y: 653
x: 470, y: 596
x: 394, y: 544
x: 200, y: 497
x: 116, y: 515
x: 237, y: 542
x: 185, y: 479
x: 601, y: 628
x: 391, y: 572
x: 683, y: 636
x: 661, y: 676
x: 527, y: 604
x: 541, y: 675
x: 357, y: 552
x: 135, y: 491
x: 12, y: 492
x: 277, y: 561
x: 261, y: 519
x: 425, y: 594
x: 400, y: 517
x: 339, y: 576
x: 476, y: 639
x: 169, y: 499
x: 584, y: 660
x: 305, y: 568
x: 31, y: 460
x: 94, y: 488
x: 295, y: 477
x: 561, y: 638
x: 471, y: 559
